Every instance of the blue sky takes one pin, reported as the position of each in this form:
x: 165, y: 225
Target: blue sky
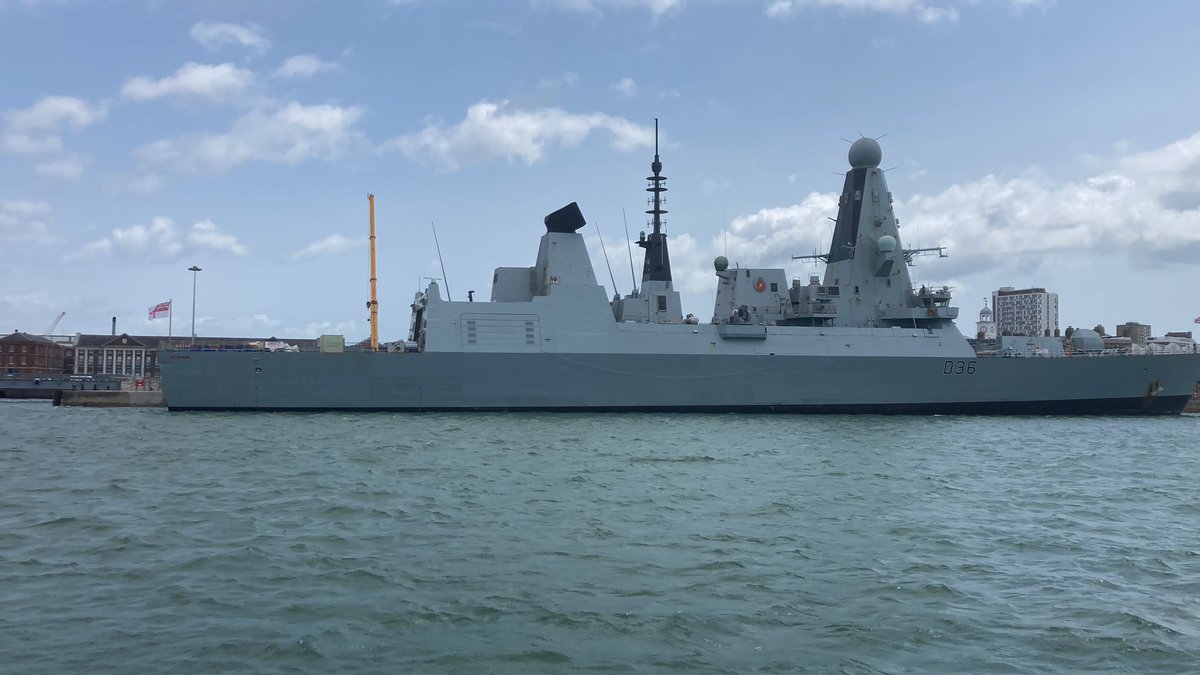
x: 1046, y: 143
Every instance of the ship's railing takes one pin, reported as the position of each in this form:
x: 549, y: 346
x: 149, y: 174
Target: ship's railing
x: 232, y: 348
x: 248, y: 348
x: 1075, y: 354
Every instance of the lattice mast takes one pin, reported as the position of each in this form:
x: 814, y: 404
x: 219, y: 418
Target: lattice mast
x: 657, y: 266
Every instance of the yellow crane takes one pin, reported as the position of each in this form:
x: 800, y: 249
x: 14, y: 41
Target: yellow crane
x: 373, y: 305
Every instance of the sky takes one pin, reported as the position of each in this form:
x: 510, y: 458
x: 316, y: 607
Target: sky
x: 1045, y: 143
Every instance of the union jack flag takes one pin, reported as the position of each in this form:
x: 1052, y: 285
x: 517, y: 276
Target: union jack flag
x: 160, y: 308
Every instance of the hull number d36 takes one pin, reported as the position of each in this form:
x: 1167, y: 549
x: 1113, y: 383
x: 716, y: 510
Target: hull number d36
x: 959, y: 368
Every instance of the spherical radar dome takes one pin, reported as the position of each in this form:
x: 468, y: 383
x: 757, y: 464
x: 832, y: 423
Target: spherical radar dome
x: 865, y: 152
x: 721, y: 263
x: 887, y: 244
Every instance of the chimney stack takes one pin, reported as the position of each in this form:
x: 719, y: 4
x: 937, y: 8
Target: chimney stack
x: 114, y: 326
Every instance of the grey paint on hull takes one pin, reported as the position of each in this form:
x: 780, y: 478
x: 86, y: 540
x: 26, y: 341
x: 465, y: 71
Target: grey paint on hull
x: 863, y: 340
x: 1159, y: 384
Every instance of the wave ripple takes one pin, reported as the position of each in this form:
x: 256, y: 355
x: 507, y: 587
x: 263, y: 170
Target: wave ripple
x: 137, y: 540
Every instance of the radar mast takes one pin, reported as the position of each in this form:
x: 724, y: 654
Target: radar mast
x: 657, y: 266
x: 656, y: 301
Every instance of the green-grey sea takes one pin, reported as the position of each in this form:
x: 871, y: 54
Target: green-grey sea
x: 147, y: 541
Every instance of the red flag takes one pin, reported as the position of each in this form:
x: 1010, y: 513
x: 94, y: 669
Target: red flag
x: 160, y: 308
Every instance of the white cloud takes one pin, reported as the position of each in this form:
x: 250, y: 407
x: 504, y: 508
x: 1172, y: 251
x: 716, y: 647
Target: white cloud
x: 288, y: 134
x: 36, y: 299
x: 256, y: 325
x: 204, y: 236
x: 775, y: 234
x: 304, y: 66
x: 23, y: 143
x: 12, y: 209
x: 710, y: 186
x: 334, y: 243
x: 656, y: 7
x: 160, y: 241
x: 65, y: 168
x: 215, y: 35
x: 51, y: 113
x: 23, y: 222
x: 220, y: 82
x: 625, y: 87
x: 567, y: 79
x: 511, y: 29
x: 145, y: 184
x: 90, y: 250
x: 493, y: 130
x: 926, y: 12
x: 1020, y: 6
x: 320, y: 328
x: 923, y: 11
x: 1145, y: 205
x: 34, y: 130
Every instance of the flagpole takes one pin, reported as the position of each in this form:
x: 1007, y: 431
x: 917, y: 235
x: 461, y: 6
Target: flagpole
x: 170, y: 315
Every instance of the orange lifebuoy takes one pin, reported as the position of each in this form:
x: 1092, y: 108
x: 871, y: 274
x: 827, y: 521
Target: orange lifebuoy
x: 760, y: 285
x: 932, y: 312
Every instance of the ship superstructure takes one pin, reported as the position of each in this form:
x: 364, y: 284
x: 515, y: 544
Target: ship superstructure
x: 656, y: 301
x: 859, y: 339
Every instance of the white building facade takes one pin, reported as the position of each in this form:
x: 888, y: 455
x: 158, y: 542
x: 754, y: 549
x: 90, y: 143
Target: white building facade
x: 1025, y: 311
x: 985, y: 328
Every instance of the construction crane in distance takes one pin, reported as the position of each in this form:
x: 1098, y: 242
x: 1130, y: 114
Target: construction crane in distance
x: 54, y: 324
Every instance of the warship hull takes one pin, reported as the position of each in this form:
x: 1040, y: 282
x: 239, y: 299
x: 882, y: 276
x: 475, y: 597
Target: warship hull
x: 863, y: 340
x: 566, y: 382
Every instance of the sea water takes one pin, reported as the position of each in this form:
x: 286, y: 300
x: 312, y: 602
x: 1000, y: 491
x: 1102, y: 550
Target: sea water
x: 137, y: 540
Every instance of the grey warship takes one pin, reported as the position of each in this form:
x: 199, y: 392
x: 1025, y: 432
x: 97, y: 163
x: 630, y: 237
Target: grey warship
x: 860, y: 339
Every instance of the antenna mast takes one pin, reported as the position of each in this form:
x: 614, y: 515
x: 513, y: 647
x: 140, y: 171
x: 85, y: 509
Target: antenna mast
x: 657, y: 265
x: 656, y: 187
x: 373, y: 305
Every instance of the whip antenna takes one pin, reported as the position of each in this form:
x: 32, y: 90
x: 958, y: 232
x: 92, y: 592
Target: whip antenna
x: 606, y: 263
x: 629, y: 248
x: 439, y: 250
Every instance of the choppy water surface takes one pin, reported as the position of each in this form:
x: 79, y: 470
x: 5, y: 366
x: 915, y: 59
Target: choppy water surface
x: 146, y: 541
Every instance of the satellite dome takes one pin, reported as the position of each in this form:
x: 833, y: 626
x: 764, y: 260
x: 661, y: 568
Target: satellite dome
x: 721, y: 263
x: 865, y: 152
x: 887, y: 244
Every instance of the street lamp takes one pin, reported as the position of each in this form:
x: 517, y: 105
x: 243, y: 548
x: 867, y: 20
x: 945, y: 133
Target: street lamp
x: 193, y: 269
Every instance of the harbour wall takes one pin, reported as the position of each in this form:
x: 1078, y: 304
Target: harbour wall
x: 111, y: 399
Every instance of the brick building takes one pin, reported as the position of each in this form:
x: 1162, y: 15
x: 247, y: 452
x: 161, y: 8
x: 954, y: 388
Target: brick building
x: 22, y: 353
x: 1138, y: 333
